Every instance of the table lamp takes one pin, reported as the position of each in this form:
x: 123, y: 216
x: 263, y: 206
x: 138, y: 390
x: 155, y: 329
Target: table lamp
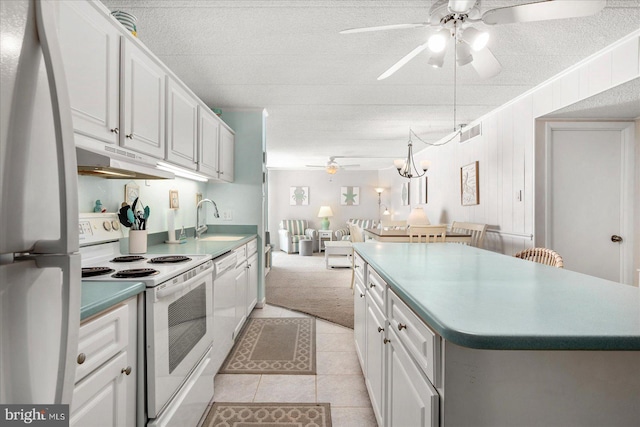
x: 325, y: 212
x: 417, y: 217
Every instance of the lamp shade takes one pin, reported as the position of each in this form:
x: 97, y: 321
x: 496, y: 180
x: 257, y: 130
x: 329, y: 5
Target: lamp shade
x: 325, y: 211
x: 417, y: 217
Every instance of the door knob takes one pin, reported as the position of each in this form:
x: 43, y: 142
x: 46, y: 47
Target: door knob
x: 616, y: 238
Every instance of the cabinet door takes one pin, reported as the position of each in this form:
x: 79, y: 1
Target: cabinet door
x: 142, y: 102
x: 241, y: 298
x: 101, y: 398
x: 182, y: 125
x: 208, y: 139
x: 411, y: 399
x: 359, y: 319
x: 90, y: 47
x: 227, y: 143
x: 375, y: 369
x: 252, y: 280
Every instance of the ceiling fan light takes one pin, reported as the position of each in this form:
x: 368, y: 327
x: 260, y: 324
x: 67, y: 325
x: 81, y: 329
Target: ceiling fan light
x: 476, y: 39
x: 331, y: 169
x: 438, y: 41
x: 436, y: 60
x: 463, y: 54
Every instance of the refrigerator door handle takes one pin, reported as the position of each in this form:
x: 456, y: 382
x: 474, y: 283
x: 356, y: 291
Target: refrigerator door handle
x: 67, y: 164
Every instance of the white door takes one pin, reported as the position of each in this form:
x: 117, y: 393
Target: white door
x: 590, y: 198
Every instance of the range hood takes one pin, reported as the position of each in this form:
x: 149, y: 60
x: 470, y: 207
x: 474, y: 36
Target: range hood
x: 110, y: 162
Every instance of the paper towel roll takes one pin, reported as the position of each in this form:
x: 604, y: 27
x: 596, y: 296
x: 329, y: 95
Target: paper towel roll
x: 171, y: 224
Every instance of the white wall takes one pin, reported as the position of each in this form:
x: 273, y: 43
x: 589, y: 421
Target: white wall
x: 505, y: 152
x: 323, y: 190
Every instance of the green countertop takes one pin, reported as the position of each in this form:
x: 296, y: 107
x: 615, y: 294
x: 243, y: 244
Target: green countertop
x: 481, y: 299
x: 99, y: 296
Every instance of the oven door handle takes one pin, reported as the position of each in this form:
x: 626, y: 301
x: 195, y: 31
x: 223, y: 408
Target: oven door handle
x: 170, y: 290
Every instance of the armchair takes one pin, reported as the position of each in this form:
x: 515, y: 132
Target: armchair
x: 344, y: 233
x: 291, y: 231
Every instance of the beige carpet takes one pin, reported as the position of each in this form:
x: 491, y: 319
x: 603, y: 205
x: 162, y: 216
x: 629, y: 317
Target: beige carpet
x: 302, y: 283
x: 268, y: 415
x: 284, y: 345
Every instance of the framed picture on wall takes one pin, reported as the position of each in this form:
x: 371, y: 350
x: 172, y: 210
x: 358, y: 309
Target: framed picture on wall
x: 174, y: 199
x: 299, y: 196
x: 405, y: 193
x: 350, y: 196
x: 469, y: 185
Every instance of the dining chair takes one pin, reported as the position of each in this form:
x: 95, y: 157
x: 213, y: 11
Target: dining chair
x: 387, y: 224
x: 476, y: 230
x: 430, y: 233
x: 356, y: 233
x: 542, y: 255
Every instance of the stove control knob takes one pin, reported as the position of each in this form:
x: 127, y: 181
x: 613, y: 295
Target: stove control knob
x: 107, y: 225
x: 115, y: 225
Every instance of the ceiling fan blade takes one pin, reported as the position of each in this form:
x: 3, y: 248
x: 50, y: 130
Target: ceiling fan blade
x: 485, y: 63
x: 384, y: 28
x: 315, y: 166
x: 408, y: 57
x: 349, y: 166
x: 543, y: 10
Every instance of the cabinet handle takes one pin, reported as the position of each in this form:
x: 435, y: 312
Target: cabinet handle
x: 130, y: 136
x: 616, y: 239
x: 401, y: 326
x: 386, y: 341
x: 373, y: 285
x: 126, y: 370
x: 357, y: 266
x: 221, y: 173
x: 115, y: 130
x: 361, y: 295
x: 380, y: 329
x: 81, y: 358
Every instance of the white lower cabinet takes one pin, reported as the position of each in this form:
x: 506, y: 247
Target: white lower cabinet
x: 398, y: 353
x: 411, y: 399
x: 241, y: 298
x: 105, y: 389
x: 252, y: 281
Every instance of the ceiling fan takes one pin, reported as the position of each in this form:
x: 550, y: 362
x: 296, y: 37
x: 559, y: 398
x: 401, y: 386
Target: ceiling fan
x: 332, y: 166
x: 454, y: 19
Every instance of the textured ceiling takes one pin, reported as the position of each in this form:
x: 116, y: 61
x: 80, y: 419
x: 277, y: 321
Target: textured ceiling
x: 319, y: 87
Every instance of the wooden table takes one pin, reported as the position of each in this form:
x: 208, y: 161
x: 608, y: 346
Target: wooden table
x: 402, y: 236
x: 338, y: 253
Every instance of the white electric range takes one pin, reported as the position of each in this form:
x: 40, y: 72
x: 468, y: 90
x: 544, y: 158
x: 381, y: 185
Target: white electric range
x: 178, y: 317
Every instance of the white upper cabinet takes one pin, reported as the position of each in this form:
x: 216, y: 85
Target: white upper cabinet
x: 182, y: 125
x: 143, y: 102
x: 208, y: 139
x: 227, y: 144
x: 90, y: 46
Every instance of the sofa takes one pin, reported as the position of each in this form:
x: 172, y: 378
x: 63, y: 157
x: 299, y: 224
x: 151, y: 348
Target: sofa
x: 291, y: 231
x: 343, y: 233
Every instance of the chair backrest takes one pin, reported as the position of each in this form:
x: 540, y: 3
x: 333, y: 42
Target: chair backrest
x: 294, y: 226
x: 430, y: 233
x: 364, y: 223
x: 477, y: 231
x: 356, y: 233
x: 542, y: 255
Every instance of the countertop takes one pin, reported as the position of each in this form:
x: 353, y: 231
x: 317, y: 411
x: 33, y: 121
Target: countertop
x: 481, y: 299
x: 99, y: 296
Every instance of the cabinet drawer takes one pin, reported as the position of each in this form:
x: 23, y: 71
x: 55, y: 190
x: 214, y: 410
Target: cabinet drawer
x: 420, y: 341
x: 100, y: 339
x: 241, y: 254
x: 377, y: 288
x: 252, y: 247
x: 359, y: 266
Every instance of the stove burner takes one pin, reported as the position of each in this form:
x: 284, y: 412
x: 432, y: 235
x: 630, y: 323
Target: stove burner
x: 169, y: 259
x: 135, y: 272
x: 128, y: 258
x: 96, y: 271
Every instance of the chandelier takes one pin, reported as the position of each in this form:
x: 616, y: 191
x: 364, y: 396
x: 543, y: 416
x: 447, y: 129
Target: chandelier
x: 407, y: 167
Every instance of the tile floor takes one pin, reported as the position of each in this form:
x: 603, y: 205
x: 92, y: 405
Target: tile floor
x: 338, y: 378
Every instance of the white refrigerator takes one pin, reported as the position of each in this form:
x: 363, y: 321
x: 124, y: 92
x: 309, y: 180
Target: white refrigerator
x: 40, y: 270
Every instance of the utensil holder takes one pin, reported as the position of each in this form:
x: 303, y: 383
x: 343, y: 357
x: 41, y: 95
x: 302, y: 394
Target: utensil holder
x: 137, y: 241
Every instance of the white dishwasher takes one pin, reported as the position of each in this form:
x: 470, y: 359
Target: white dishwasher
x: 224, y: 307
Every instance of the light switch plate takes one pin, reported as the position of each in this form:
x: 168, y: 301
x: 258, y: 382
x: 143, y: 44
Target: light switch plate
x: 227, y: 215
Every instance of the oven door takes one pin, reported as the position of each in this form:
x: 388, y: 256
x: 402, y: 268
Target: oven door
x: 179, y: 330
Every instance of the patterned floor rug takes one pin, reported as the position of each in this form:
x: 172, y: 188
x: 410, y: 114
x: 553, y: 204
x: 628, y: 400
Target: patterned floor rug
x: 284, y: 345
x: 268, y: 415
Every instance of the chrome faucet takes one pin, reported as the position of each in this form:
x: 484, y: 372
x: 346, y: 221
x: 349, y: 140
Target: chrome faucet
x: 199, y: 229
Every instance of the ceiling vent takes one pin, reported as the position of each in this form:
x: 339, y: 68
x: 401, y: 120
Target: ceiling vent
x: 471, y: 132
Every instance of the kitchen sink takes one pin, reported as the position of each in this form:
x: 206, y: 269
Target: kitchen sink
x: 221, y: 238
